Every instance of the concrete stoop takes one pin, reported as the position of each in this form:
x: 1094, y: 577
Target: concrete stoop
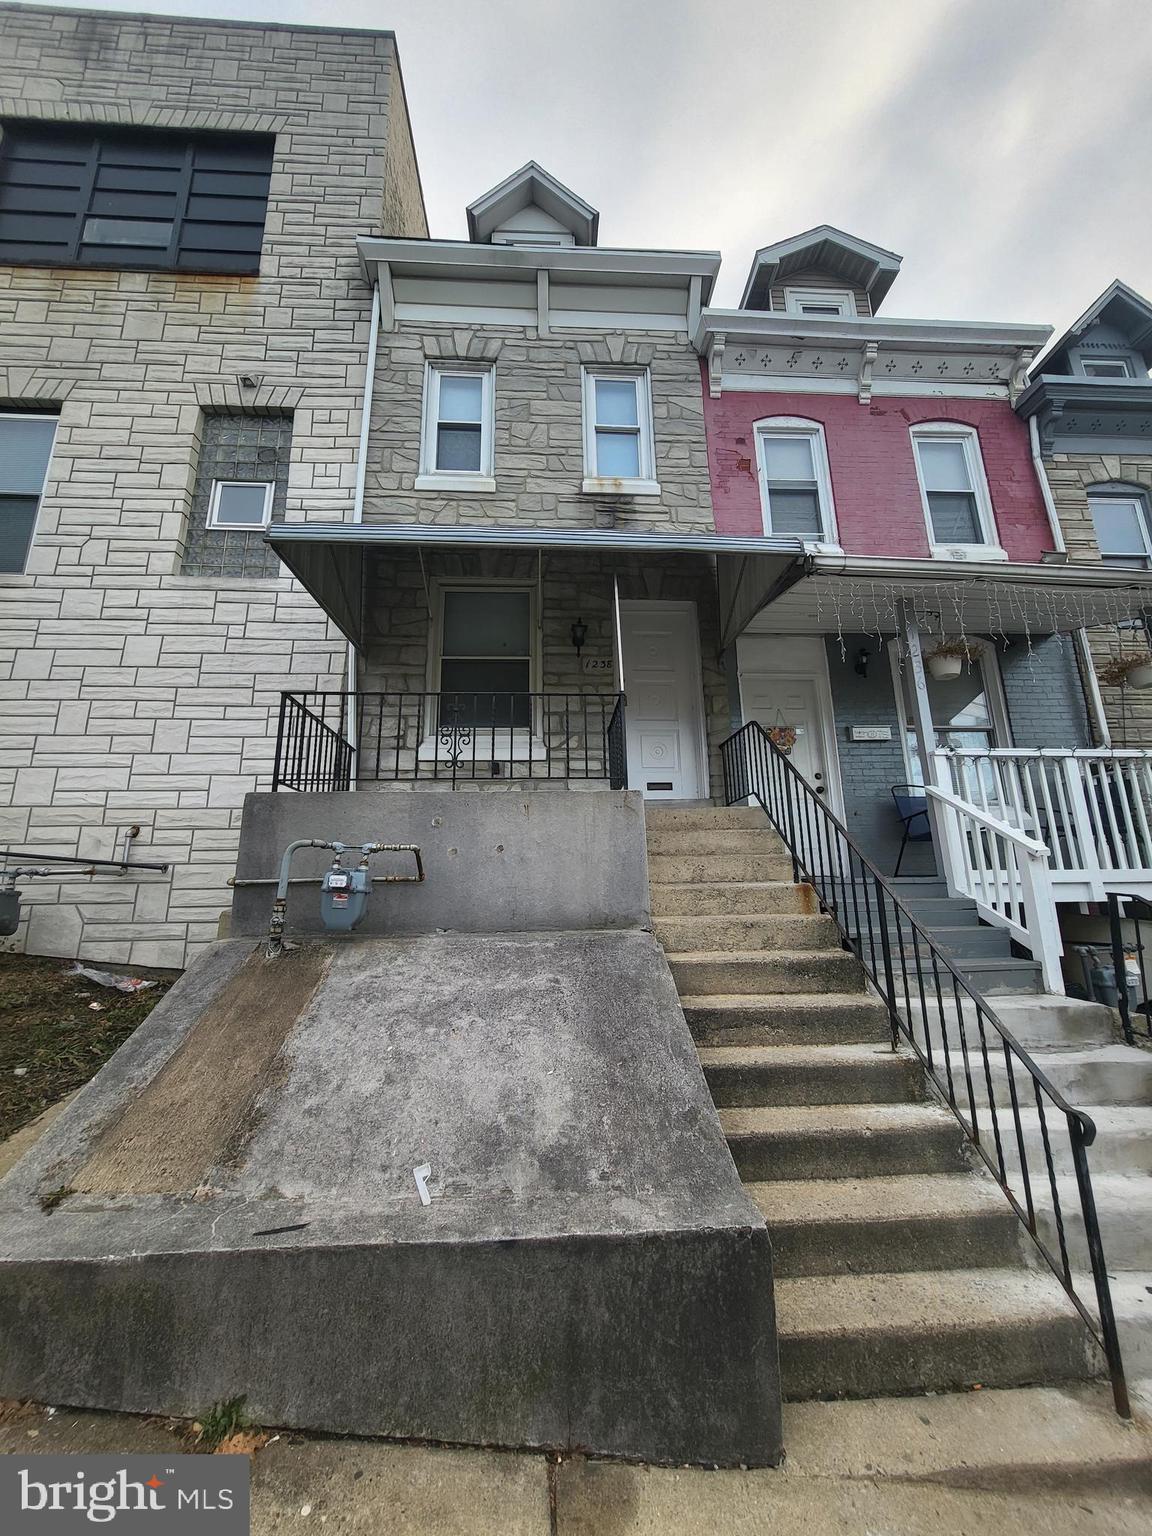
x: 899, y: 1267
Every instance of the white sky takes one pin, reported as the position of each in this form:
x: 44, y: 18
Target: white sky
x: 1003, y: 147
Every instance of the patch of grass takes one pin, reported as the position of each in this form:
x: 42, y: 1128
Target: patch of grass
x: 51, y: 1041
x: 221, y: 1422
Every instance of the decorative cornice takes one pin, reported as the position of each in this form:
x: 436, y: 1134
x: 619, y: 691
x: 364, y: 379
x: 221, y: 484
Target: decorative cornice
x: 868, y: 356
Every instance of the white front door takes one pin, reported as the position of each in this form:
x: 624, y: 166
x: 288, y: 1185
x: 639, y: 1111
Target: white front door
x: 661, y: 664
x: 775, y: 697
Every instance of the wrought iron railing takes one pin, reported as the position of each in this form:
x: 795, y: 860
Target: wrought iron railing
x: 1130, y: 962
x: 1014, y: 1117
x: 452, y: 737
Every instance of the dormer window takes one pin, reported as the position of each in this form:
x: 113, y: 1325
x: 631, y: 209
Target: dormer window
x: 826, y: 303
x: 1107, y: 368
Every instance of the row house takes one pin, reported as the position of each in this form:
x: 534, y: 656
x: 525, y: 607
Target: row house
x: 183, y: 322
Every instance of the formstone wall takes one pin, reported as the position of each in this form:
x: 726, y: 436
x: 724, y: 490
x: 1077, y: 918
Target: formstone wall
x: 538, y: 429
x: 1128, y: 710
x: 131, y: 694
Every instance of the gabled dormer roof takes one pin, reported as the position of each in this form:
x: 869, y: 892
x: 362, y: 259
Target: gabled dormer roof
x: 532, y: 188
x: 857, y: 263
x: 1122, y: 311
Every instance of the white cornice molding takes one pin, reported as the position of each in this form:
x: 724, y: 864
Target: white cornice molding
x: 888, y: 334
x: 459, y: 258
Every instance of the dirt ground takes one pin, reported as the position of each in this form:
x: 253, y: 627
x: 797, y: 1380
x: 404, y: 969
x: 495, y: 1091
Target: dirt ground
x: 52, y: 1038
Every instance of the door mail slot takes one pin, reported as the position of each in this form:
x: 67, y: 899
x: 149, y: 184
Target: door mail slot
x: 651, y: 785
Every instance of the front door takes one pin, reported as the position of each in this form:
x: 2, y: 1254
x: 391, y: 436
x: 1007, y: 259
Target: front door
x: 774, y: 699
x: 661, y: 664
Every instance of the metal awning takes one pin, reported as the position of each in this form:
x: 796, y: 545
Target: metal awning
x: 330, y: 560
x: 855, y: 594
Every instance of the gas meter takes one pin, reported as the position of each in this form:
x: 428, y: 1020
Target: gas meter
x: 344, y: 892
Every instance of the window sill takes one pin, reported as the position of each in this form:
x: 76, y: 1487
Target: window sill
x: 968, y: 552
x: 606, y: 486
x: 456, y: 482
x: 504, y: 745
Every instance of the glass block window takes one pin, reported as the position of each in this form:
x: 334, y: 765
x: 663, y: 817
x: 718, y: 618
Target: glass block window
x: 112, y: 197
x: 240, y: 457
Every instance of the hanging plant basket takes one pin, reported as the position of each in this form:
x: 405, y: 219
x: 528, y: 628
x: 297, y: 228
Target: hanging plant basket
x: 944, y: 667
x: 1127, y: 672
x: 783, y: 737
x: 1141, y: 676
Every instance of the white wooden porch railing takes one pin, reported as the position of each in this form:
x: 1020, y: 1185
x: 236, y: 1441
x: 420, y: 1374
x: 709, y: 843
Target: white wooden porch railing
x: 1006, y: 873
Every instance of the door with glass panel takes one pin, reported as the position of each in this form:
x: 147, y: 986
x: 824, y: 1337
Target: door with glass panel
x: 965, y: 714
x: 484, y: 657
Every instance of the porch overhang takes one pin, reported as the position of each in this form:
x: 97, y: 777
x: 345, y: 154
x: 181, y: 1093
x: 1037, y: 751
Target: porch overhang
x: 860, y: 594
x: 331, y: 560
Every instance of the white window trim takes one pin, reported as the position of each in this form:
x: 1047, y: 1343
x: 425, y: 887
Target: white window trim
x: 1125, y: 363
x: 983, y: 651
x: 1136, y: 497
x: 214, y: 506
x: 515, y: 739
x: 796, y: 298
x: 40, y: 416
x: 800, y: 426
x: 645, y: 484
x: 988, y: 547
x: 429, y: 477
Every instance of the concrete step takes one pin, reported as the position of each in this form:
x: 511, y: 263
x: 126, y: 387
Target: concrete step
x: 1123, y: 1143
x: 929, y: 911
x: 1104, y: 1074
x: 863, y: 1335
x: 772, y: 932
x: 659, y: 818
x: 704, y: 971
x: 732, y: 898
x: 843, y: 1140
x: 785, y: 1019
x: 680, y: 869
x: 882, y: 1225
x: 1036, y: 1021
x: 995, y: 977
x: 1124, y: 1209
x: 689, y: 840
x: 956, y: 943
x: 751, y: 1076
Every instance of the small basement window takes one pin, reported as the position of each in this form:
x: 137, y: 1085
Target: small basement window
x: 115, y: 197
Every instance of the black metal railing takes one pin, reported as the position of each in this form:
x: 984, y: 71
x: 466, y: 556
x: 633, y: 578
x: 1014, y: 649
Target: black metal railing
x: 1010, y: 1112
x: 454, y: 737
x: 1130, y: 963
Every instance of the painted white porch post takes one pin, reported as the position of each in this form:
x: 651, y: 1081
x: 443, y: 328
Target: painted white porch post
x: 920, y: 712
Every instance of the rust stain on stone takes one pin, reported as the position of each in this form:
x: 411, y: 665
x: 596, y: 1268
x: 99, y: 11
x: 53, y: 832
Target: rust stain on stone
x: 196, y: 1107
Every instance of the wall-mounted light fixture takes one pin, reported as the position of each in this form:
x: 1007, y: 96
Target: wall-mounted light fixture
x: 863, y: 657
x: 579, y: 634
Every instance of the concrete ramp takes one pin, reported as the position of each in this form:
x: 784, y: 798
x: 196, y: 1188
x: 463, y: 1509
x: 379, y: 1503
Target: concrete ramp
x: 230, y: 1206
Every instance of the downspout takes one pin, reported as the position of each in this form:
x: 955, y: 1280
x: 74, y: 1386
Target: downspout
x: 358, y: 502
x: 1080, y: 636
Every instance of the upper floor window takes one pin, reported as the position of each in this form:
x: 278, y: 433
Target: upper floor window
x: 1121, y: 521
x: 456, y: 448
x: 25, y: 448
x: 795, y: 485
x: 957, y: 505
x: 618, y: 444
x: 1107, y: 368
x: 241, y: 482
x: 112, y: 197
x: 828, y: 302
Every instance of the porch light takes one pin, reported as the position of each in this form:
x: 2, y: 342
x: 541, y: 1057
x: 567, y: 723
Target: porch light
x: 579, y: 633
x: 863, y: 657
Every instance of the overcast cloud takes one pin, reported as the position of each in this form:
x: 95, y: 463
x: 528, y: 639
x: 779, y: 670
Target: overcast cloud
x: 1003, y: 147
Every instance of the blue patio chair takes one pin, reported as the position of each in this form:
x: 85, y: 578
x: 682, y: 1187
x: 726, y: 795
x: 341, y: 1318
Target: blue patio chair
x: 912, y: 809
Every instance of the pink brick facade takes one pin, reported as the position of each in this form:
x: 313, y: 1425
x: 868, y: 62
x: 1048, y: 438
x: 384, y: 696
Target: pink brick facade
x: 874, y: 485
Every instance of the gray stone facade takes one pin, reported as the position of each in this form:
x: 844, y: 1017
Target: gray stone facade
x: 134, y: 693
x: 539, y: 456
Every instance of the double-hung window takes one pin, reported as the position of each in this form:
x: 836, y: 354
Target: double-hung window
x: 957, y: 506
x: 457, y: 451
x: 795, y: 485
x: 485, y: 656
x: 1120, y: 519
x: 25, y: 448
x: 618, y: 445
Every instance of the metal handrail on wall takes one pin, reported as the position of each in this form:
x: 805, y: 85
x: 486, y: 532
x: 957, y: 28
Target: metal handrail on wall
x: 967, y: 1052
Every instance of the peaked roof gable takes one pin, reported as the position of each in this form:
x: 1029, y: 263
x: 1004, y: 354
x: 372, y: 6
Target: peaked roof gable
x: 1118, y: 306
x: 531, y: 184
x: 858, y: 262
